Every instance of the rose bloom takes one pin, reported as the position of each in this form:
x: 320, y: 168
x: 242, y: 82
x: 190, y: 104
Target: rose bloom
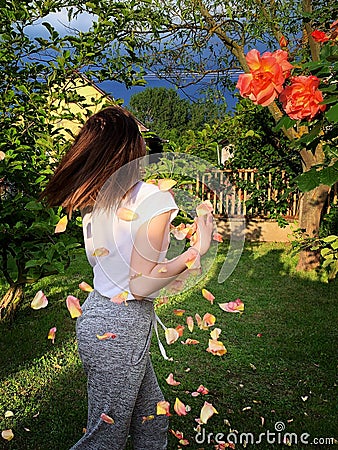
x: 319, y: 36
x: 267, y: 74
x: 301, y: 100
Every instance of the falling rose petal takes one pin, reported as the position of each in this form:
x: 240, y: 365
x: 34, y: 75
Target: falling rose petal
x: 165, y: 184
x: 85, y: 287
x: 162, y: 408
x: 189, y: 341
x: 179, y: 407
x: 39, y: 301
x: 198, y: 320
x: 147, y: 418
x: 180, y: 231
x: 216, y: 348
x: 206, y: 412
x: 2, y: 155
x: 51, y: 334
x: 234, y: 307
x: 107, y: 419
x: 73, y: 305
x: 102, y: 337
x: 193, y: 262
x: 163, y: 301
x: 179, y: 312
x: 208, y: 296
x: 202, y: 390
x: 192, y: 227
x: 190, y: 323
x: 204, y: 208
x: 7, y: 434
x: 215, y: 333
x: 61, y: 225
x: 100, y: 252
x: 183, y: 442
x: 217, y: 237
x: 9, y: 414
x: 177, y: 434
x: 151, y: 181
x: 208, y: 320
x: 180, y: 329
x: 120, y: 298
x: 171, y: 335
x: 126, y: 214
x: 170, y: 380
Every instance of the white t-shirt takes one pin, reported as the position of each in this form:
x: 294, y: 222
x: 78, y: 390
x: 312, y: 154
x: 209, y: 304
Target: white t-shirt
x: 111, y: 237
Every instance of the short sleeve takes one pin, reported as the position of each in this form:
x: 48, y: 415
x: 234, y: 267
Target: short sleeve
x: 152, y: 202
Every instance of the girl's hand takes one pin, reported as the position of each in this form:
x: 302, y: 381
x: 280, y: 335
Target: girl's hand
x: 204, y: 232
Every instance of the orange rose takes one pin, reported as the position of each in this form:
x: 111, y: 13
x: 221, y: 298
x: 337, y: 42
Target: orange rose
x: 301, y: 100
x: 319, y: 36
x: 267, y: 74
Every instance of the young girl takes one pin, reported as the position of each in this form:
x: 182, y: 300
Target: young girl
x: 126, y: 233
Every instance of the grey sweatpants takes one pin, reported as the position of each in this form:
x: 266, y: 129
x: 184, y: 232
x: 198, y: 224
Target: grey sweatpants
x: 121, y: 379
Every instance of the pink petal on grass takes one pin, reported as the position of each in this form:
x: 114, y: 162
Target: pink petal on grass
x: 51, y: 334
x: 73, y: 305
x: 85, y: 287
x: 198, y: 320
x: 215, y: 333
x: 170, y: 380
x: 104, y: 336
x: 202, y: 390
x: 7, y: 435
x: 177, y: 434
x: 162, y: 408
x: 100, y: 251
x: 61, y: 225
x: 165, y: 184
x: 207, y: 411
x: 179, y: 312
x: 39, y: 301
x: 204, y: 208
x: 126, y: 214
x: 171, y: 335
x: 120, y: 298
x: 179, y: 407
x: 189, y: 341
x: 216, y: 347
x: 208, y: 320
x: 107, y: 418
x: 190, y: 323
x: 217, y: 237
x: 208, y: 296
x: 180, y: 329
x: 233, y: 307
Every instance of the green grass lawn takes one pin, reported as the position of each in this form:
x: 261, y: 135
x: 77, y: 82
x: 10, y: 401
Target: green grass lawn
x: 285, y: 374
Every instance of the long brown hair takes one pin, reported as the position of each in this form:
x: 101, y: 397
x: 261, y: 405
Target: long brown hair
x: 109, y: 140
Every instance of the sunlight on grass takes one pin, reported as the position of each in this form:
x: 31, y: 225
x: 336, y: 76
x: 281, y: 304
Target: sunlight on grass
x: 279, y: 363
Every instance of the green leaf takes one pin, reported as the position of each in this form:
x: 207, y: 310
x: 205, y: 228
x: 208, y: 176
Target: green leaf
x: 308, y: 180
x: 330, y: 238
x: 332, y: 113
x: 284, y: 122
x: 329, y: 175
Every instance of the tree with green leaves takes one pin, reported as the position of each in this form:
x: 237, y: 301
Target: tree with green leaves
x: 165, y: 113
x: 204, y: 37
x: 37, y: 66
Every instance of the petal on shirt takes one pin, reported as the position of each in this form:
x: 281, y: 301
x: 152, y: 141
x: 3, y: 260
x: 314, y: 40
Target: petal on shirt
x: 126, y: 214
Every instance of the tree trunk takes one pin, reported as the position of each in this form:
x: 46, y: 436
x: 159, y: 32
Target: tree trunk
x: 310, y: 214
x: 10, y: 301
